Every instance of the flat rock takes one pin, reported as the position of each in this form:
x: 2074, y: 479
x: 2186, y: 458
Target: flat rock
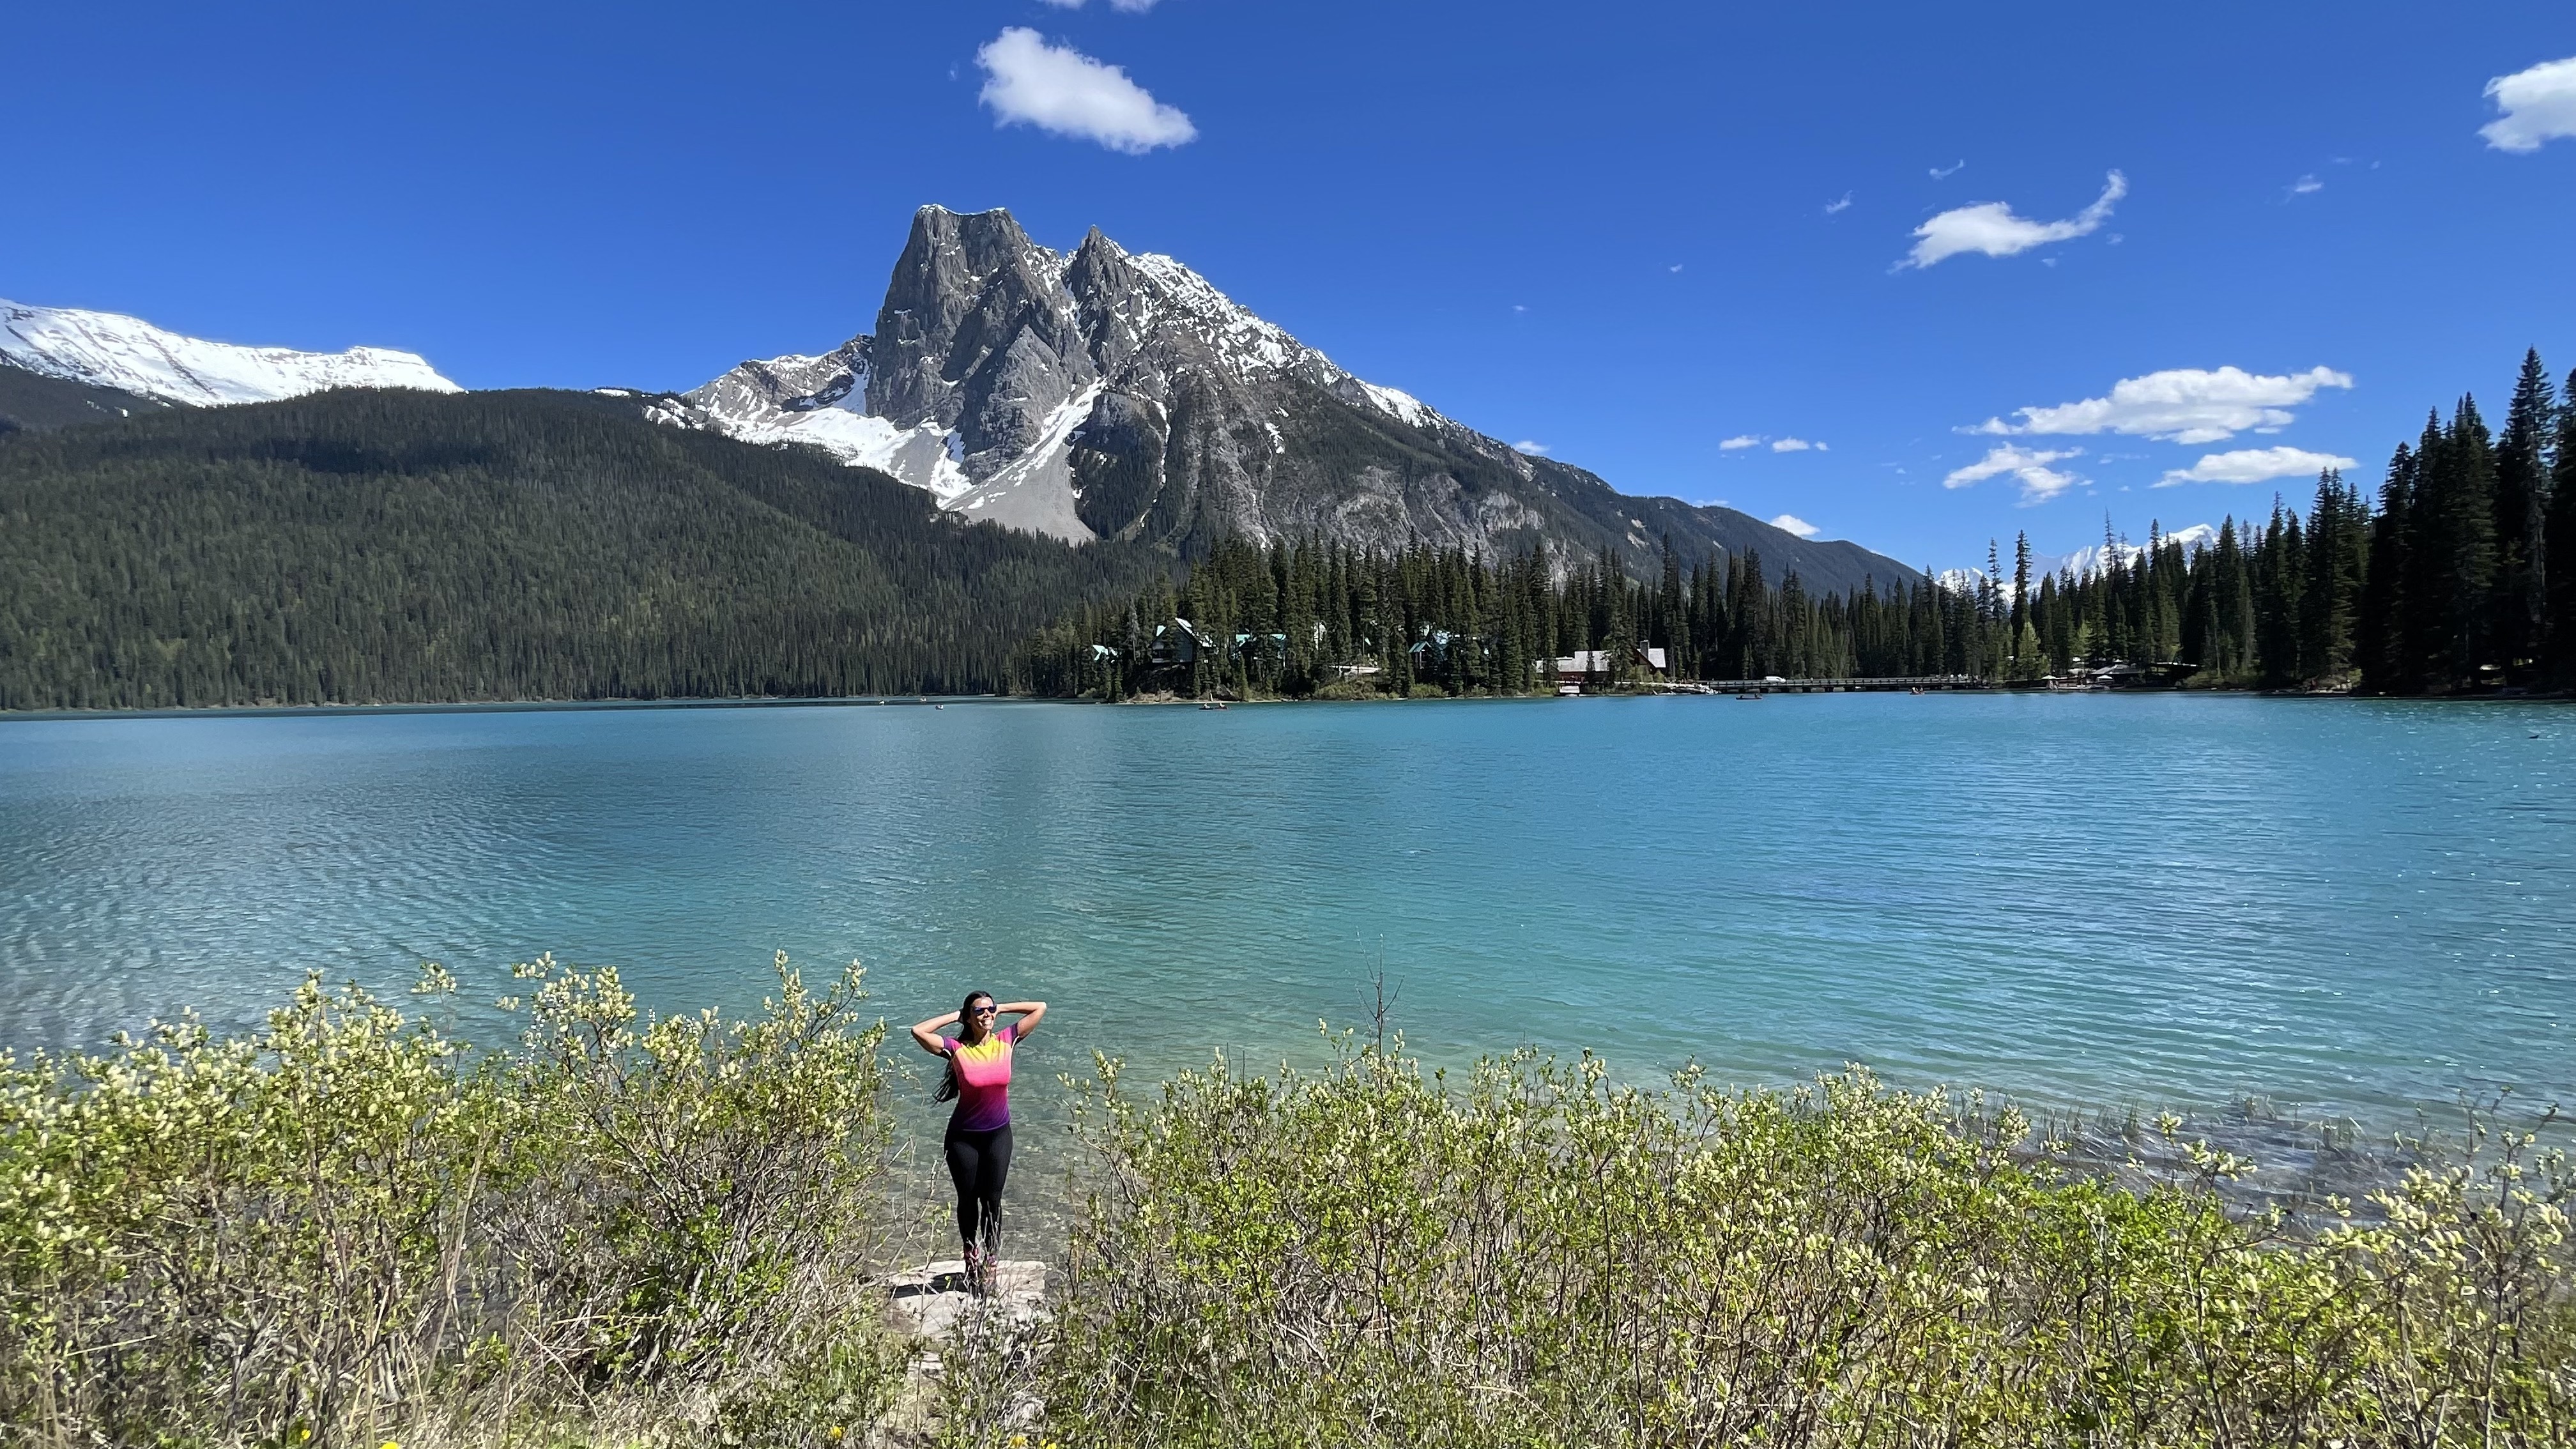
x: 930, y: 1301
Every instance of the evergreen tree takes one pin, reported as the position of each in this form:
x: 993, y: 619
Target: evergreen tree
x: 2388, y: 665
x: 1672, y: 631
x: 2056, y: 608
x: 2280, y: 586
x: 2229, y: 650
x: 2338, y: 565
x: 2458, y: 538
x: 2519, y: 611
x: 2559, y: 549
x: 2026, y: 662
x: 2424, y: 621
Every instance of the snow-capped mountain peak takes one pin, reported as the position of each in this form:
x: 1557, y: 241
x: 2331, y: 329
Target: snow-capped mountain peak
x: 1096, y: 394
x: 1229, y: 327
x: 2088, y: 561
x: 2083, y: 563
x: 1253, y: 345
x: 991, y: 354
x: 104, y: 349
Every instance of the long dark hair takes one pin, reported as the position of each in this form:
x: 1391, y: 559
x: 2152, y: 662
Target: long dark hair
x: 948, y: 1080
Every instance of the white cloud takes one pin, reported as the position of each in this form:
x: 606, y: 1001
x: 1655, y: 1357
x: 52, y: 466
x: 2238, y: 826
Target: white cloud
x: 2306, y: 185
x: 2179, y: 405
x: 1128, y: 7
x: 1991, y: 228
x: 1740, y: 440
x: 2027, y: 466
x: 1792, y: 445
x: 2253, y: 465
x: 1059, y: 89
x: 2539, y: 105
x: 1526, y: 446
x: 1675, y: 267
x: 1842, y: 205
x: 1944, y: 173
x: 1792, y: 523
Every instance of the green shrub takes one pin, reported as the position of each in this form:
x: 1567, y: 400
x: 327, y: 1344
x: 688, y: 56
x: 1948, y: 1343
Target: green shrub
x: 639, y: 1231
x: 351, y: 1225
x: 1535, y: 1256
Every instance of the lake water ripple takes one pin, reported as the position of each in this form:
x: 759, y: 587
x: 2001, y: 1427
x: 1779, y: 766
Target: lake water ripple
x: 2360, y: 908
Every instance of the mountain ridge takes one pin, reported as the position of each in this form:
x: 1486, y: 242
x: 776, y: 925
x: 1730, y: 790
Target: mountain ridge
x: 1099, y: 393
x: 1081, y: 395
x: 127, y: 354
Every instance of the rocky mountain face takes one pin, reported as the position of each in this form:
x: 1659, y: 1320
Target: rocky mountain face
x: 128, y: 355
x: 1099, y: 394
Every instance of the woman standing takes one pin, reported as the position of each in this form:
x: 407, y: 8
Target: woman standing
x: 979, y: 1131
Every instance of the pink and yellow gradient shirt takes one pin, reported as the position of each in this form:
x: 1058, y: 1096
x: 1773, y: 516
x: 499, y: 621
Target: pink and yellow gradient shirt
x: 983, y: 1081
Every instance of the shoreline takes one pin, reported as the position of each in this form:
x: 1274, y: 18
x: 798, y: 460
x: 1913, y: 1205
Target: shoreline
x: 1800, y: 688
x: 513, y: 706
x: 567, y: 706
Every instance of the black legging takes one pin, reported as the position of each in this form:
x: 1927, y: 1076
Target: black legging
x: 980, y: 1162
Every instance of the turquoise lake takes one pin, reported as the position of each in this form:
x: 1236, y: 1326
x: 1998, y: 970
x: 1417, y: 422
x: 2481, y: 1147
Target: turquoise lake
x: 2355, y: 908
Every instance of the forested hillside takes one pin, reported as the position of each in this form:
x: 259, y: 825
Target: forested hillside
x: 33, y: 402
x: 2461, y: 578
x: 370, y: 546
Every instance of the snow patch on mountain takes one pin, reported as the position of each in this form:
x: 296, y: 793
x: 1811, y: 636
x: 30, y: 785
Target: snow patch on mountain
x: 104, y: 349
x: 1253, y: 346
x: 1035, y: 490
x: 925, y: 457
x: 1230, y: 328
x: 820, y: 401
x: 1401, y: 405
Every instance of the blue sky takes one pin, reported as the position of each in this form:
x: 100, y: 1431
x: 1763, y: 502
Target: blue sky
x: 1626, y: 232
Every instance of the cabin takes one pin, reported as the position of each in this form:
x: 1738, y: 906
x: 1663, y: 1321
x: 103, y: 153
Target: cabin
x: 1435, y: 646
x: 1180, y: 642
x: 1271, y: 649
x: 1594, y: 666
